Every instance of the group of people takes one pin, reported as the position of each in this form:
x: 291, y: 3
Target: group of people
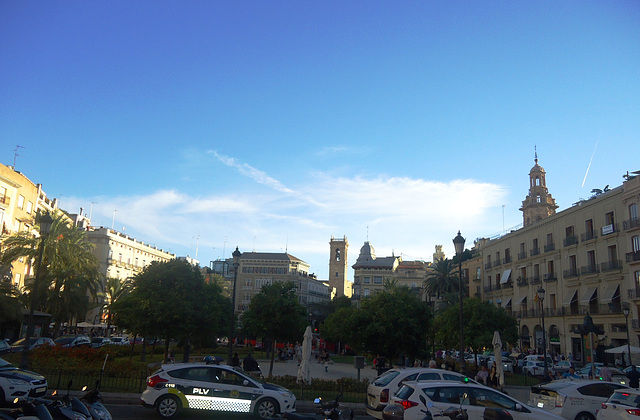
x: 489, y: 378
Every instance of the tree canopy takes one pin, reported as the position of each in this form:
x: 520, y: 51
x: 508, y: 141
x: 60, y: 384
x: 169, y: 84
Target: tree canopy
x: 275, y: 314
x: 391, y: 322
x: 481, y: 319
x: 171, y: 300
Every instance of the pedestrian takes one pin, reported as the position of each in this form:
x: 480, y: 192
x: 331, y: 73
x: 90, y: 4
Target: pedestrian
x: 235, y: 360
x: 249, y: 364
x: 494, y: 376
x: 571, y: 374
x: 483, y: 375
x: 605, y: 372
x: 634, y: 377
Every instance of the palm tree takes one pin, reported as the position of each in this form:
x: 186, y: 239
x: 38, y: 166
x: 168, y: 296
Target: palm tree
x: 442, y: 278
x: 115, y: 289
x: 10, y: 305
x: 68, y: 271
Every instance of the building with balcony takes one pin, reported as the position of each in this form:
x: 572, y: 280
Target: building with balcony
x: 586, y: 257
x: 20, y: 201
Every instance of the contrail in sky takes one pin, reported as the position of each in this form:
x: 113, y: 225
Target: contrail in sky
x: 589, y: 167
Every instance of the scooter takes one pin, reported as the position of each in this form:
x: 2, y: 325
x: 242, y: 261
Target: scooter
x: 67, y: 407
x: 93, y: 401
x: 26, y: 410
x: 331, y: 410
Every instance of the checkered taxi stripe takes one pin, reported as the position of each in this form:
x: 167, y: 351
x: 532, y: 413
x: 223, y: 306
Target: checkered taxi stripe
x: 218, y: 404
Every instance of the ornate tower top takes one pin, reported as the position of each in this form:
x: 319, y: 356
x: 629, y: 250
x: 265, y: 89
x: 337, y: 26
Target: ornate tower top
x: 539, y: 204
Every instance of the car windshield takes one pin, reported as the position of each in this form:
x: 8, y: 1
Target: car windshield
x: 405, y: 392
x: 5, y: 365
x: 97, y: 340
x: 64, y: 340
x: 385, y: 378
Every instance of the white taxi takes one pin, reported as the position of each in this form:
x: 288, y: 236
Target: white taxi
x: 623, y: 404
x: 573, y: 399
x: 213, y: 387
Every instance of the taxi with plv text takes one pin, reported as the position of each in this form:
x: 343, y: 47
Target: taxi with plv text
x: 209, y: 386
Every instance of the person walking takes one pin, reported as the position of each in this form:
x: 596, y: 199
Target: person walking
x: 634, y: 377
x: 605, y: 372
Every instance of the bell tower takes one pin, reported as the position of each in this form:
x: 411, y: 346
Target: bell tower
x: 539, y: 204
x: 338, y: 267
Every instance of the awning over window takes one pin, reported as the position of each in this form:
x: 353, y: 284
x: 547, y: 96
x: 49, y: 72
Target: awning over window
x: 608, y: 292
x: 587, y: 295
x: 522, y: 300
x: 570, y: 297
x: 506, y: 303
x: 505, y: 276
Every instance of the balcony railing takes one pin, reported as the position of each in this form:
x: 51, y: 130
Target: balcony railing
x: 588, y: 236
x: 497, y: 263
x: 507, y: 285
x: 534, y: 252
x: 549, y: 277
x: 522, y: 255
x: 570, y: 240
x: 477, y: 279
x: 535, y: 280
x: 611, y: 265
x: 487, y: 266
x: 549, y: 247
x: 522, y: 281
x: 600, y: 309
x: 572, y: 272
x: 589, y: 269
x: 632, y: 256
x: 631, y: 223
x: 5, y: 200
x: 633, y: 293
x: 487, y: 289
x: 506, y: 260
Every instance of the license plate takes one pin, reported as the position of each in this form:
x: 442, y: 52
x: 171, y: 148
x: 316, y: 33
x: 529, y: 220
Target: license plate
x: 42, y: 389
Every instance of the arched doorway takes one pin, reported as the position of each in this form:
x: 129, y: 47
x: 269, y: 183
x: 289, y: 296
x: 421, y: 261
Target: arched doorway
x: 525, y: 338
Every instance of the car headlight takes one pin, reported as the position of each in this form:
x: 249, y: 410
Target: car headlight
x: 16, y: 381
x: 287, y: 394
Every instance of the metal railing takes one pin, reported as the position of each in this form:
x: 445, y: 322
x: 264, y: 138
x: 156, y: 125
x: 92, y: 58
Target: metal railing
x: 631, y: 223
x: 535, y: 280
x: 611, y: 265
x: 588, y: 236
x: 522, y: 255
x: 589, y: 269
x: 632, y: 256
x: 572, y: 272
x: 534, y: 252
x: 549, y: 277
x: 570, y: 240
x: 522, y: 281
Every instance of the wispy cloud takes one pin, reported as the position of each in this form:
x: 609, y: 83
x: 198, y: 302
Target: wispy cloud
x: 403, y: 215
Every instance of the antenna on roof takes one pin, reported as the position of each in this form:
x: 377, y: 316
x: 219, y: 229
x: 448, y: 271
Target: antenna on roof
x: 15, y: 154
x: 367, y: 233
x: 286, y: 246
x: 535, y: 149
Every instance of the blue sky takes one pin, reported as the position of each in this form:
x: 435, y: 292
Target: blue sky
x: 274, y: 125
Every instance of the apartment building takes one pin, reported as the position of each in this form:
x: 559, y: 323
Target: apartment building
x: 20, y: 201
x: 119, y: 255
x: 258, y: 269
x: 586, y: 259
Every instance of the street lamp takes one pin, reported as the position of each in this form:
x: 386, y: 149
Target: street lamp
x: 541, y: 293
x: 458, y: 243
x: 625, y: 311
x: 236, y: 263
x: 45, y: 227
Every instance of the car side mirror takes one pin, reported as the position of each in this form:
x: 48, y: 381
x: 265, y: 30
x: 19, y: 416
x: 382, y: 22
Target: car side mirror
x: 245, y: 383
x: 518, y: 407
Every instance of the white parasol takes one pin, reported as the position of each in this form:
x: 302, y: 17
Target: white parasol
x: 304, y: 371
x: 497, y: 351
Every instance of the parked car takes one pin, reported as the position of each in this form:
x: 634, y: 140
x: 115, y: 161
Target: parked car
x: 382, y: 388
x: 5, y: 347
x: 213, y: 387
x: 623, y: 404
x: 533, y: 368
x: 99, y: 342
x: 19, y: 383
x: 479, y: 401
x: 563, y: 366
x: 120, y: 341
x: 80, y: 340
x: 578, y: 399
x: 507, y: 363
x: 34, y: 342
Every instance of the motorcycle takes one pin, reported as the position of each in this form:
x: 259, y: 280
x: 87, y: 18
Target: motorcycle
x: 26, y: 410
x: 331, y: 410
x: 92, y: 399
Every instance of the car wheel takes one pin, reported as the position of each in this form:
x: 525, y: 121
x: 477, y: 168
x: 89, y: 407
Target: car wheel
x: 266, y: 408
x: 168, y: 406
x: 585, y: 416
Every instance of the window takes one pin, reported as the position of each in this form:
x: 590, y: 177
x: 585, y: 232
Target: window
x: 366, y: 292
x: 608, y: 218
x: 599, y: 390
x: 635, y: 243
x: 29, y: 207
x: 569, y: 231
x: 367, y: 280
x: 550, y: 268
x: 20, y: 201
x: 633, y: 211
x: 448, y: 394
x: 536, y: 270
x: 490, y: 398
x: 377, y: 280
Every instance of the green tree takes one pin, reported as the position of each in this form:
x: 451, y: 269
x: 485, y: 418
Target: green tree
x: 391, y: 322
x: 275, y: 314
x: 115, y: 289
x: 481, y: 319
x: 10, y: 305
x: 172, y: 300
x: 68, y: 270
